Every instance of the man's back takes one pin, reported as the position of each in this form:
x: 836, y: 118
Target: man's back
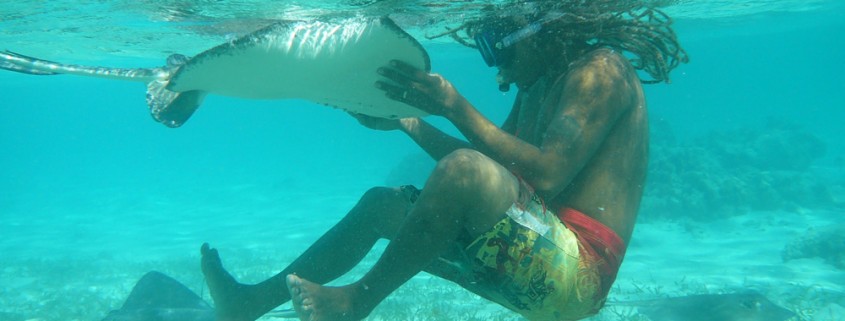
x: 610, y: 185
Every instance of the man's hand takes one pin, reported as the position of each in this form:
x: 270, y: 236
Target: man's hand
x: 429, y: 92
x: 377, y: 123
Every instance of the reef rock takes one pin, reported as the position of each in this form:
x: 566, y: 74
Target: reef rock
x: 728, y: 173
x: 827, y: 243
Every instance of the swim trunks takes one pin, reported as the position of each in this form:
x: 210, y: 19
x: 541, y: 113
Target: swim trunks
x: 546, y: 266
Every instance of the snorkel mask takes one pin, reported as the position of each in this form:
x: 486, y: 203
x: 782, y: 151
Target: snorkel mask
x: 493, y: 46
x: 493, y: 39
x: 493, y: 43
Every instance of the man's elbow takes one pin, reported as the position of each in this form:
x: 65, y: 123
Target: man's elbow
x: 546, y: 185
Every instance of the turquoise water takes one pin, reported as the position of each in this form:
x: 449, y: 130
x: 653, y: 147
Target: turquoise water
x: 93, y: 193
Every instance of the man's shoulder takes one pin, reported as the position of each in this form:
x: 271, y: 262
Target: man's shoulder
x: 604, y: 52
x: 603, y: 58
x: 603, y: 75
x: 605, y: 65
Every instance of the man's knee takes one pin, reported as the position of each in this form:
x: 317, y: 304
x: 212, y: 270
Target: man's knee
x: 380, y: 200
x: 383, y: 208
x: 467, y: 174
x: 465, y: 168
x: 461, y: 161
x: 378, y: 194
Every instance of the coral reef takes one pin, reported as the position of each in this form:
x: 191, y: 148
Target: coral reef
x: 727, y: 173
x: 827, y: 243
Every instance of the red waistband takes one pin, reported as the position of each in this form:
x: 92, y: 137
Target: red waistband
x: 597, y: 241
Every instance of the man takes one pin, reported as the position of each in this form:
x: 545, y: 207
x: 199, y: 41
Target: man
x: 534, y: 215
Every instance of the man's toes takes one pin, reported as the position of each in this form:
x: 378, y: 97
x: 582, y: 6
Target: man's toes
x: 293, y: 283
x: 208, y: 252
x: 210, y: 261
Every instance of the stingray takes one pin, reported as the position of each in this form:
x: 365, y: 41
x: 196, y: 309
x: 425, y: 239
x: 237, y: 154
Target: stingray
x: 330, y: 63
x: 158, y: 297
x: 747, y: 306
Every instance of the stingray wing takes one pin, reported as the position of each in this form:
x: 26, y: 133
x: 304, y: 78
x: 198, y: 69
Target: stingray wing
x: 156, y: 290
x: 747, y: 306
x: 328, y: 63
x: 158, y: 297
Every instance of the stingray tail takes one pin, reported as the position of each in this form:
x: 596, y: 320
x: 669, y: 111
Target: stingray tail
x: 19, y: 63
x: 34, y: 66
x: 169, y: 107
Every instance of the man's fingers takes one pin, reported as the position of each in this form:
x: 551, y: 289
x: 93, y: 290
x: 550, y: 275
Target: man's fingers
x: 406, y: 68
x: 394, y: 92
x: 389, y: 88
x: 411, y: 72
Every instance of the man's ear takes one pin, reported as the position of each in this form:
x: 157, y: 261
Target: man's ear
x: 535, y: 45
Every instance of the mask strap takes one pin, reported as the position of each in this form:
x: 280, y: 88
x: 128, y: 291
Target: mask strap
x: 520, y: 34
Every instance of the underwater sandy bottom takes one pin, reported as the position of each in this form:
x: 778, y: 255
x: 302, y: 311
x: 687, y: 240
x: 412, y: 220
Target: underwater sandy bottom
x: 76, y: 255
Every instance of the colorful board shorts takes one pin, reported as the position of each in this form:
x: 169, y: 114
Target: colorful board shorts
x: 543, y: 265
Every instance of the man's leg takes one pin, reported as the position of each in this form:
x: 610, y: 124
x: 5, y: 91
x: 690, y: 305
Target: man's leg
x: 378, y: 214
x: 467, y: 191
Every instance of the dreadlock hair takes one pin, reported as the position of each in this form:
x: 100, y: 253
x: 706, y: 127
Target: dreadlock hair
x: 636, y: 28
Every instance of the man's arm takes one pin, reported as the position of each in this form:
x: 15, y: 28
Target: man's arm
x: 595, y: 94
x: 431, y: 139
x: 437, y: 143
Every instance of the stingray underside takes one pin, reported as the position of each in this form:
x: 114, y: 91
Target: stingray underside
x: 328, y: 63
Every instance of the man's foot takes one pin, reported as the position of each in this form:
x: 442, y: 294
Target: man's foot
x: 314, y: 302
x: 229, y: 296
